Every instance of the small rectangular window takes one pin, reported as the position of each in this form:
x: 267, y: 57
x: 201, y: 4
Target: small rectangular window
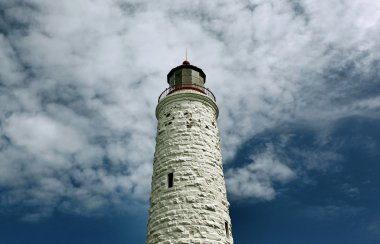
x: 170, y: 180
x: 227, y: 230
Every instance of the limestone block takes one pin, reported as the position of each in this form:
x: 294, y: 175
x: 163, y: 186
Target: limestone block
x: 195, y: 209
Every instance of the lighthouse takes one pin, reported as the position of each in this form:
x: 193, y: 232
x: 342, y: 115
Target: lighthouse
x: 188, y: 202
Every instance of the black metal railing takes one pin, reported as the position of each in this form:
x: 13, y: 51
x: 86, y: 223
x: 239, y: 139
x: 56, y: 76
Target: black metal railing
x: 195, y: 87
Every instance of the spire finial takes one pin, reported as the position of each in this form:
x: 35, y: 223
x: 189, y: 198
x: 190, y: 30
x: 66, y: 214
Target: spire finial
x: 186, y: 61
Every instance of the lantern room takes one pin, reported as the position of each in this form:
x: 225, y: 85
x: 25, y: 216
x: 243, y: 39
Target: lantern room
x: 186, y: 75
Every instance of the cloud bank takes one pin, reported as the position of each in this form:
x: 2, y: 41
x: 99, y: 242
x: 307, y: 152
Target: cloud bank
x: 79, y: 82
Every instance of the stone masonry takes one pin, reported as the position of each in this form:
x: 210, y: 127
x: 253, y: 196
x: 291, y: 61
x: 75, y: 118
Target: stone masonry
x: 195, y: 208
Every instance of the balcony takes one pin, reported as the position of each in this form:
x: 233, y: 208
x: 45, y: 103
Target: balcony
x: 194, y: 87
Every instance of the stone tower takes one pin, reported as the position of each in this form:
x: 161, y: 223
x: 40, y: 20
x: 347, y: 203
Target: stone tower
x: 188, y: 202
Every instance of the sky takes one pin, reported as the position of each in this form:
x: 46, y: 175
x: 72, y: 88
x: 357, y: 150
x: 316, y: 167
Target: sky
x: 297, y: 83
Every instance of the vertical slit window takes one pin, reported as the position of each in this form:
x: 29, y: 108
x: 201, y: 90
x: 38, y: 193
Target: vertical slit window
x: 227, y: 230
x: 170, y: 180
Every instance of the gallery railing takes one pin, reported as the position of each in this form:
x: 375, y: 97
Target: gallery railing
x: 198, y: 88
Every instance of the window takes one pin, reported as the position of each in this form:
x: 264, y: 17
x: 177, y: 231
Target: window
x: 170, y: 180
x: 227, y: 231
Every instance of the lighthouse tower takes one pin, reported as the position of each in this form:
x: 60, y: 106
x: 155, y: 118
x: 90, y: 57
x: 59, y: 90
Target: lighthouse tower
x: 188, y: 202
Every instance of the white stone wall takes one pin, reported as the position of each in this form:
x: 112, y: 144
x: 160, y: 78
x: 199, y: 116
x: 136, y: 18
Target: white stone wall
x: 195, y: 209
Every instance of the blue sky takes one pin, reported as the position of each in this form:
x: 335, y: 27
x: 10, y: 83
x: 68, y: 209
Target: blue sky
x: 297, y: 84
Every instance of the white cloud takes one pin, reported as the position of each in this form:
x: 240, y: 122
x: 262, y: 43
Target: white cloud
x: 42, y: 135
x: 10, y: 71
x: 79, y: 82
x: 255, y: 180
